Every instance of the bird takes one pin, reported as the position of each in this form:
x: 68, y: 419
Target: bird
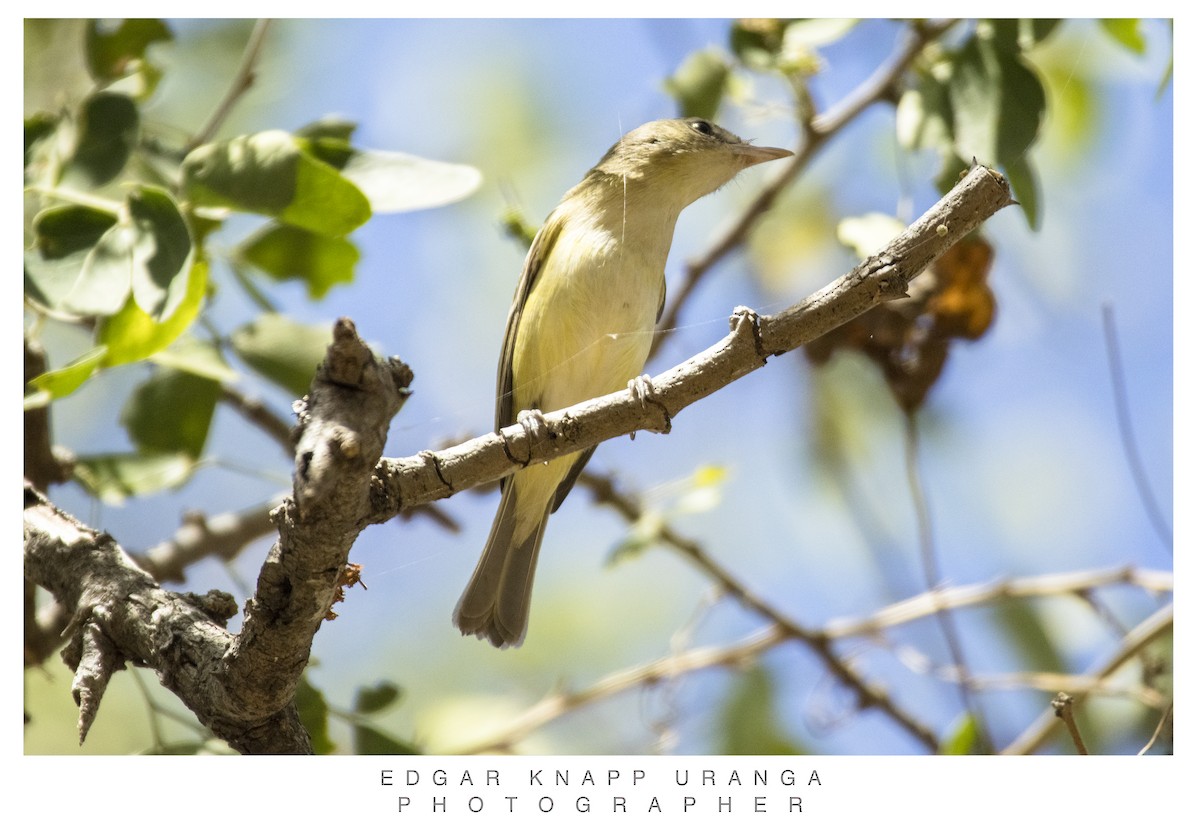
x: 580, y: 326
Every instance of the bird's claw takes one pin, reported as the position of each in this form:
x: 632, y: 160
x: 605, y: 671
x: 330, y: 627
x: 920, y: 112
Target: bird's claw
x: 533, y: 423
x: 642, y: 389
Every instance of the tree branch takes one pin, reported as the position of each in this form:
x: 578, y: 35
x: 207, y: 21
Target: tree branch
x: 867, y: 696
x: 432, y: 475
x: 1145, y: 633
x: 243, y: 79
x: 958, y: 597
x: 342, y: 430
x: 242, y: 687
x: 222, y: 536
x: 746, y: 650
x: 120, y: 615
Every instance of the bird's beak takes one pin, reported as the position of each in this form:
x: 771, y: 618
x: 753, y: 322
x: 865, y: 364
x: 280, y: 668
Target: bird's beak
x: 758, y: 154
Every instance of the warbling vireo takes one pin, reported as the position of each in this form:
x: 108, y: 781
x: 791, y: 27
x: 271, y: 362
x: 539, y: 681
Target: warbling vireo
x: 581, y: 324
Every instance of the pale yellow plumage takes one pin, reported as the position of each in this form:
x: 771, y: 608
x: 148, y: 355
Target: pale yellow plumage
x: 581, y: 325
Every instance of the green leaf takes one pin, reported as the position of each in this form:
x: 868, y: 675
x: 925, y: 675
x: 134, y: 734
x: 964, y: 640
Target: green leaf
x: 117, y: 51
x: 163, y: 261
x: 270, y: 174
x: 798, y: 52
x: 314, y: 714
x: 925, y: 118
x: 370, y: 741
x: 107, y: 133
x: 998, y: 102
x: 147, y: 251
x: 114, y: 478
x: 38, y: 127
x: 756, y: 41
x: 1024, y: 629
x: 283, y: 350
x: 1018, y: 34
x: 817, y: 31
x: 396, y: 181
x: 171, y: 412
x: 286, y: 252
x: 370, y: 699
x: 641, y: 536
x: 1127, y: 32
x: 749, y: 723
x: 63, y: 237
x: 67, y: 379
x: 197, y: 357
x: 330, y: 126
x: 1034, y: 31
x: 699, y: 84
x: 132, y: 334
x: 1022, y: 106
x: 1023, y: 180
x: 963, y: 738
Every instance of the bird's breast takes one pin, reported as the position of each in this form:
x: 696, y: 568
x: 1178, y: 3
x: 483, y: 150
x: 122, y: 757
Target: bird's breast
x: 589, y: 318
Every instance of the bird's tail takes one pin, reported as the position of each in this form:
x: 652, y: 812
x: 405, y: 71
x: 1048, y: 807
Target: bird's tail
x: 495, y: 604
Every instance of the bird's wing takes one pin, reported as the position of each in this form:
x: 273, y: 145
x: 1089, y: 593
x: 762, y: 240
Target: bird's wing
x: 543, y: 243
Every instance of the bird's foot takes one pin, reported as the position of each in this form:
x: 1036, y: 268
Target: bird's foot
x: 642, y: 389
x: 534, y: 424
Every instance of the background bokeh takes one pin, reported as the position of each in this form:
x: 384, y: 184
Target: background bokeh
x: 1020, y: 452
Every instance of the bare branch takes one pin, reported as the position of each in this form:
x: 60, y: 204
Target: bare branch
x: 121, y: 615
x: 256, y: 412
x: 242, y: 686
x: 1145, y: 633
x: 1158, y: 730
x: 931, y: 568
x: 1064, y: 708
x: 432, y: 475
x: 560, y: 703
x: 745, y: 651
x: 868, y: 697
x: 1133, y: 457
x: 957, y: 597
x: 243, y: 80
x: 342, y: 430
x: 222, y: 536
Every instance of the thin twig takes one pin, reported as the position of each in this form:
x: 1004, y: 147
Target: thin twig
x: 1158, y: 730
x: 1063, y: 706
x: 243, y: 79
x: 560, y: 703
x: 1145, y: 633
x: 931, y: 567
x: 957, y: 597
x: 1074, y: 684
x: 1125, y: 424
x: 257, y: 413
x: 868, y: 697
x: 749, y: 648
x: 200, y: 537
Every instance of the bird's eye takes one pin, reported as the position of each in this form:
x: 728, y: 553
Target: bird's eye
x: 703, y: 127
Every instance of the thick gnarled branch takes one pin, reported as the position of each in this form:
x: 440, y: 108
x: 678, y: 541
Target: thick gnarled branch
x: 431, y: 475
x: 241, y: 686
